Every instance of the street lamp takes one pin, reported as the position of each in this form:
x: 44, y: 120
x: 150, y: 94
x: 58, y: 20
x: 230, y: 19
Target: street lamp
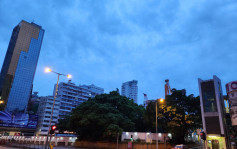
x: 161, y: 101
x: 55, y: 95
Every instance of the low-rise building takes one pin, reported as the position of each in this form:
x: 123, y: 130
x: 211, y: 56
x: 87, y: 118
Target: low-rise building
x: 145, y: 136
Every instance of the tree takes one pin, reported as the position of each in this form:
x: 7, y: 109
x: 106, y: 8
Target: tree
x: 182, y: 114
x: 178, y: 115
x: 63, y: 124
x: 104, y: 116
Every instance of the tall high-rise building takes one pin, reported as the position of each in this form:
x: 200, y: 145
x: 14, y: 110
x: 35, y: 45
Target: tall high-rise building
x: 18, y: 70
x: 130, y: 89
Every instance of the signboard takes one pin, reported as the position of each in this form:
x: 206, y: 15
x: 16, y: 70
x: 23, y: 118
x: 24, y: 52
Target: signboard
x: 231, y: 86
x: 18, y: 120
x: 231, y: 90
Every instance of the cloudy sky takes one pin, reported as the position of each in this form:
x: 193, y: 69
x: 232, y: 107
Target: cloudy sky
x: 108, y: 42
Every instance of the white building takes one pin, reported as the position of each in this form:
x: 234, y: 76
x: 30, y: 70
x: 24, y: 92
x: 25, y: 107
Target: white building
x: 145, y: 136
x: 95, y: 90
x: 44, y: 113
x: 69, y: 96
x: 130, y: 89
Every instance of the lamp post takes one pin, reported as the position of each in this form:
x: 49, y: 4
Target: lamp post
x: 55, y: 95
x: 158, y: 100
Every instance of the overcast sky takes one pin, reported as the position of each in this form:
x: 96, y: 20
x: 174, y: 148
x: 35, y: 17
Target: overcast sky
x: 108, y: 42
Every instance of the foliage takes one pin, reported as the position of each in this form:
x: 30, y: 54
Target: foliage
x: 107, y: 115
x: 104, y: 116
x: 63, y: 124
x: 178, y: 115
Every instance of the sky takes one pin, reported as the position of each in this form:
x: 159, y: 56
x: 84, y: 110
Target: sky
x: 108, y: 42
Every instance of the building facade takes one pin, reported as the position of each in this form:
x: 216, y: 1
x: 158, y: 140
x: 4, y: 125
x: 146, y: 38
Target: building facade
x: 147, y: 137
x: 95, y: 90
x: 130, y: 90
x: 33, y: 103
x: 69, y: 96
x: 231, y: 90
x: 19, y: 66
x: 213, y: 112
x: 44, y: 114
x: 72, y: 95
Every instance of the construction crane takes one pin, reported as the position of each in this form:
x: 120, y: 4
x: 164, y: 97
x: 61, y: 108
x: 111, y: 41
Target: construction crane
x: 167, y: 92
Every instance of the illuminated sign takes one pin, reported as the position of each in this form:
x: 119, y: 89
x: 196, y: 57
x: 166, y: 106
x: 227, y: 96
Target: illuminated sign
x: 18, y: 120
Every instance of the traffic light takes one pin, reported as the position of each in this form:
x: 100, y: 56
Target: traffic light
x: 53, y: 128
x: 203, y: 135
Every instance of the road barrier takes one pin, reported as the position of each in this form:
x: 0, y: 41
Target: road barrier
x: 35, y: 142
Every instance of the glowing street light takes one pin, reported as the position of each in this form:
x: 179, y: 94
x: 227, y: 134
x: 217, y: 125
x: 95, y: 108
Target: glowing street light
x: 55, y: 95
x: 69, y: 76
x: 161, y: 100
x: 47, y: 69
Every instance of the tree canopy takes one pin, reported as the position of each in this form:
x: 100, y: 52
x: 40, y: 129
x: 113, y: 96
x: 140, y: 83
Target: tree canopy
x: 107, y: 115
x: 104, y: 116
x: 179, y: 115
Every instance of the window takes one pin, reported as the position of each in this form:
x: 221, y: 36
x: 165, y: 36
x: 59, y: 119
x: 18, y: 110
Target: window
x: 209, y: 97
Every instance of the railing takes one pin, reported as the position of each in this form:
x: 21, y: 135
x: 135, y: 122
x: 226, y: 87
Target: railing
x: 35, y: 142
x: 24, y: 144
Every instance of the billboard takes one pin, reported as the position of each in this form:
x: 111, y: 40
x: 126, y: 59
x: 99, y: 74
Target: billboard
x: 231, y: 90
x: 18, y: 120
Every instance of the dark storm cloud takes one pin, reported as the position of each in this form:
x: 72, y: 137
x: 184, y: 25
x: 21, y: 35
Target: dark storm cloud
x: 108, y: 42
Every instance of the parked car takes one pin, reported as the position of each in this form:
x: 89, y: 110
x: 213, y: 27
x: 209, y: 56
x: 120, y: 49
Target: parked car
x: 181, y: 146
